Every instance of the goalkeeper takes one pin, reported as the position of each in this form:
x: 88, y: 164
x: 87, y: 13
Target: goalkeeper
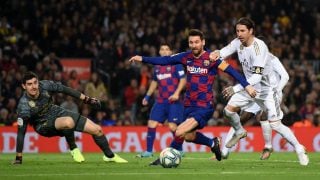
x: 36, y: 108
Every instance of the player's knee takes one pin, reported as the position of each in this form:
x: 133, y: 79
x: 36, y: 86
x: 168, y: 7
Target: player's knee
x: 96, y: 130
x: 228, y: 113
x: 172, y: 127
x: 179, y: 133
x: 189, y: 137
x: 68, y: 124
x: 275, y: 125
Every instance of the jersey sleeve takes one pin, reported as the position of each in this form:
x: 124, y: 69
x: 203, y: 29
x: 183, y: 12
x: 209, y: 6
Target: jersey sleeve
x: 180, y: 71
x: 24, y: 115
x: 281, y: 71
x: 229, y: 49
x: 57, y: 87
x: 260, y: 56
x: 165, y: 60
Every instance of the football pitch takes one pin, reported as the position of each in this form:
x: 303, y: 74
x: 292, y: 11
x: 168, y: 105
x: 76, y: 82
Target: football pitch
x: 239, y: 166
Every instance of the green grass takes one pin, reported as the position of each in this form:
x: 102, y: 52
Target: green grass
x: 239, y: 166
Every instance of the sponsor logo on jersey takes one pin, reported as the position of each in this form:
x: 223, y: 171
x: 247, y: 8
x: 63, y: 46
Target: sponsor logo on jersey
x: 197, y: 70
x: 168, y: 68
x: 32, y: 104
x: 163, y: 76
x: 206, y: 62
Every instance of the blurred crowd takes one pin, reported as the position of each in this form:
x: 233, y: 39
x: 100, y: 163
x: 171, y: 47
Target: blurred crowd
x: 34, y: 35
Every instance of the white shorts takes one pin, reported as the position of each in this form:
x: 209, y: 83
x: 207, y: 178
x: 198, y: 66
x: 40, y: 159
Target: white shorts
x: 254, y: 109
x: 268, y: 102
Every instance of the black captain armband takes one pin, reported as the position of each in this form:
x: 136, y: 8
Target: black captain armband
x: 257, y: 70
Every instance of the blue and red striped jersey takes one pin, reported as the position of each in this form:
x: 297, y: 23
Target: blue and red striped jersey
x: 201, y: 73
x: 168, y: 78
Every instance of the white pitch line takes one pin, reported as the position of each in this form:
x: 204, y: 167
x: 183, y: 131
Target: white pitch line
x: 171, y: 173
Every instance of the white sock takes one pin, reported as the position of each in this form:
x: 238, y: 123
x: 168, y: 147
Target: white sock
x: 226, y: 150
x: 267, y: 133
x: 286, y: 133
x: 234, y: 120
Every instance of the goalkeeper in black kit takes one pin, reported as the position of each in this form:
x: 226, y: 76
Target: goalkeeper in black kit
x: 36, y: 108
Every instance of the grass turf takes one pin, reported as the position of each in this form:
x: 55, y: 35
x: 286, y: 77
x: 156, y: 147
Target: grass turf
x: 239, y: 166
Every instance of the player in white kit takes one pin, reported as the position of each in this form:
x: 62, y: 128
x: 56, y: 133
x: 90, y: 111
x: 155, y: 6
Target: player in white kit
x: 253, y: 55
x: 279, y: 80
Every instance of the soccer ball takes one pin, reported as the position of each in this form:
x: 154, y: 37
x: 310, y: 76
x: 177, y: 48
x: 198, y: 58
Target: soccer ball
x: 170, y: 158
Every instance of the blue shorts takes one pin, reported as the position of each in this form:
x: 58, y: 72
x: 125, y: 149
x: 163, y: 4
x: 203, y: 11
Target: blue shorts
x: 173, y: 112
x: 200, y: 114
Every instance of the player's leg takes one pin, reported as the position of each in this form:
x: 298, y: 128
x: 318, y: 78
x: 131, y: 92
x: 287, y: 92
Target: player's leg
x: 237, y: 101
x: 175, y: 117
x: 226, y: 151
x: 276, y: 124
x: 71, y: 120
x: 267, y: 136
x: 198, y: 118
x: 74, y: 150
x: 158, y: 114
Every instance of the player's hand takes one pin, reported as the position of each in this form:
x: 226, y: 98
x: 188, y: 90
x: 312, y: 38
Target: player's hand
x: 174, y: 97
x: 18, y: 160
x: 228, y: 92
x: 95, y: 103
x: 215, y: 55
x: 145, y: 100
x: 136, y: 58
x: 251, y: 91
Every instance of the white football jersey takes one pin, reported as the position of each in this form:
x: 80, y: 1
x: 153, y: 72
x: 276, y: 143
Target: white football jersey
x: 253, y: 59
x: 280, y: 75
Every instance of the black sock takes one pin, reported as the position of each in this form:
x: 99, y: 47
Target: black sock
x: 69, y: 135
x: 102, y: 142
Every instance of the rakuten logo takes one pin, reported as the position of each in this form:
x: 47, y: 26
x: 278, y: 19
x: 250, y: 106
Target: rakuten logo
x: 197, y: 70
x: 163, y: 76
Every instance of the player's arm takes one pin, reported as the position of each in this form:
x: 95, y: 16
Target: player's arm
x: 225, y: 52
x: 153, y: 86
x: 284, y: 76
x: 165, y: 60
x: 224, y: 66
x: 60, y: 88
x: 22, y: 128
x: 182, y: 83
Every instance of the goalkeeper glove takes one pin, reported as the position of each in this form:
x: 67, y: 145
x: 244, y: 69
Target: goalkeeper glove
x: 95, y: 103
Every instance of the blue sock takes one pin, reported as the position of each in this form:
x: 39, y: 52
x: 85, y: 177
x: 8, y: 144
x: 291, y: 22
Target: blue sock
x: 177, y: 145
x: 150, y: 138
x: 202, y: 139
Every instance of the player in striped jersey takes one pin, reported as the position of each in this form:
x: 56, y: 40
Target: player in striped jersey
x: 253, y: 56
x: 170, y: 80
x: 198, y: 104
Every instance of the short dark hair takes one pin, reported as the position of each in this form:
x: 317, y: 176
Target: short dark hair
x: 165, y: 44
x: 196, y: 32
x: 28, y: 75
x: 247, y: 22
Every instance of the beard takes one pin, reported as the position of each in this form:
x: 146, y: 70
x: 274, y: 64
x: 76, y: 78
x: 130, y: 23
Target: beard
x: 196, y: 52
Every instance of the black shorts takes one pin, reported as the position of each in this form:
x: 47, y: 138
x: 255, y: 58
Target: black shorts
x: 46, y: 125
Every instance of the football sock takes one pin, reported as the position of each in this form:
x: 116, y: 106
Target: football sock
x: 176, y: 142
x: 202, y: 139
x: 102, y: 142
x: 267, y: 133
x: 285, y: 132
x: 150, y: 138
x: 225, y: 150
x: 234, y: 120
x: 178, y: 145
x: 69, y: 135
